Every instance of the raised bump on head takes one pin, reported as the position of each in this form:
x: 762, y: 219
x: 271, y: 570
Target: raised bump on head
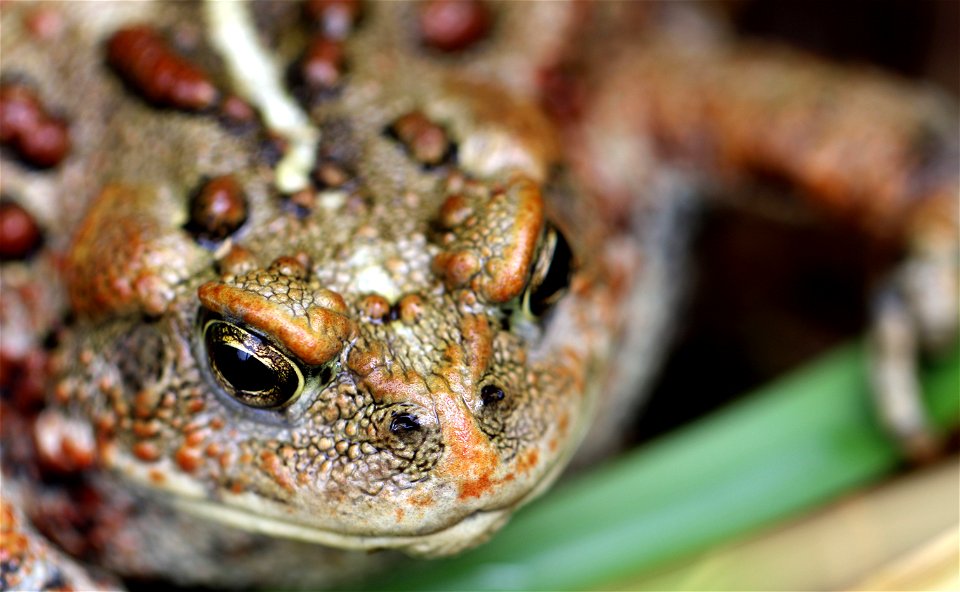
x: 493, y: 250
x: 129, y: 253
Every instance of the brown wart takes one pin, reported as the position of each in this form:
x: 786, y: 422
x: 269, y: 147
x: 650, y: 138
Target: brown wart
x: 39, y: 138
x: 426, y: 141
x: 453, y: 25
x: 144, y: 59
x: 322, y: 64
x: 218, y: 208
x: 20, y: 235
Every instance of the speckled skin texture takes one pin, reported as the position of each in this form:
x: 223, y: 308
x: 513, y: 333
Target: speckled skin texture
x: 420, y: 401
x: 451, y: 248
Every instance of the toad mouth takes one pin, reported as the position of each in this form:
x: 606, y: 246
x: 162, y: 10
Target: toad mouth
x: 252, y: 514
x: 444, y: 541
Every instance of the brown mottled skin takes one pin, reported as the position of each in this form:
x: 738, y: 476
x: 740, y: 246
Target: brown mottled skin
x: 394, y: 291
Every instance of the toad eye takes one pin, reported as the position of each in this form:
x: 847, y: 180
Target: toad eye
x: 403, y: 423
x: 551, y: 274
x: 249, y: 369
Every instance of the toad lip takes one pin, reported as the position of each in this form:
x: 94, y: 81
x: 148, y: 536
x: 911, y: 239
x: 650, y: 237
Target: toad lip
x: 254, y: 516
x: 445, y: 541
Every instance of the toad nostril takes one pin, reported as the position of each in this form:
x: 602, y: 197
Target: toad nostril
x: 491, y: 394
x: 403, y: 423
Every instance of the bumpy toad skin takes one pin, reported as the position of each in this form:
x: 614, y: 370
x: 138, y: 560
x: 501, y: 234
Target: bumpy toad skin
x: 432, y: 402
x: 372, y: 208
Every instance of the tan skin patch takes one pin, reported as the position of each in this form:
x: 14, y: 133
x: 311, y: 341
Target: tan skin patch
x: 388, y: 383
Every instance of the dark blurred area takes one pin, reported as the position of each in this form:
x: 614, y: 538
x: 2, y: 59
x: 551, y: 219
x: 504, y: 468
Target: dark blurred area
x: 918, y: 39
x: 772, y: 289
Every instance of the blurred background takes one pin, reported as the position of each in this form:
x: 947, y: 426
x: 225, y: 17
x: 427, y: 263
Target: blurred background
x: 800, y: 301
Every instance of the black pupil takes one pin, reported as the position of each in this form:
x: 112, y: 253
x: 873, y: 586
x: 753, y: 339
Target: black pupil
x: 490, y: 394
x: 404, y: 422
x: 243, y: 371
x: 556, y: 279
